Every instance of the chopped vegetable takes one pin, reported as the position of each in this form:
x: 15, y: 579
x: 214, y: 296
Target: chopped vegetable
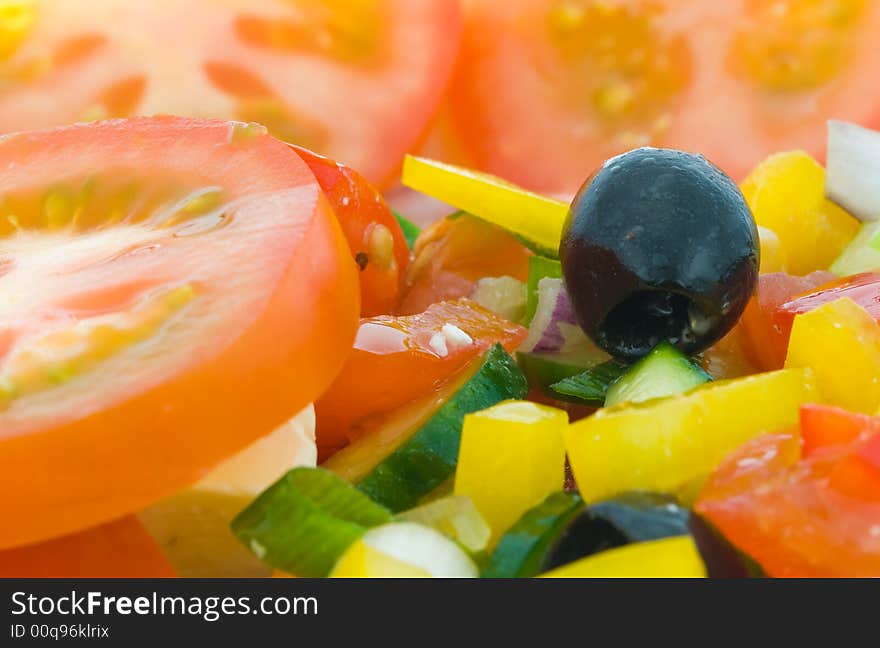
x: 512, y: 456
x: 398, y: 360
x: 786, y: 193
x: 545, y: 369
x: 539, y: 268
x: 666, y: 558
x: 306, y: 520
x: 404, y: 550
x: 522, y: 551
x: 813, y: 516
x: 504, y: 296
x: 660, y: 246
x: 665, y: 371
x: 406, y: 460
x: 625, y: 519
x: 454, y: 516
x: 862, y: 254
x: 410, y: 230
x: 668, y: 443
x: 853, y: 179
x: 536, y: 219
x: 591, y: 387
x: 840, y: 342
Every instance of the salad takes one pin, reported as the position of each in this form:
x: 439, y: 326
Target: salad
x: 227, y: 349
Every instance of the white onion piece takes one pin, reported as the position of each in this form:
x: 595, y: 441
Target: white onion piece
x: 853, y: 176
x: 505, y: 296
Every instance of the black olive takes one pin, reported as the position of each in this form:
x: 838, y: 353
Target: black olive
x: 659, y: 245
x: 627, y: 518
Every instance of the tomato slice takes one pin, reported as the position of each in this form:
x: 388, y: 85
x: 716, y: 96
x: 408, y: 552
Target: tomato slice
x: 397, y: 360
x: 574, y: 82
x: 764, y: 339
x: 355, y: 79
x: 374, y: 236
x: 810, y: 517
x: 171, y: 291
x: 452, y: 255
x: 118, y: 549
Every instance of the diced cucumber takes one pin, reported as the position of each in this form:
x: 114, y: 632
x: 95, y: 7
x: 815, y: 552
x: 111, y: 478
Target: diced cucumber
x: 306, y: 520
x: 539, y: 268
x: 522, y: 550
x: 665, y: 371
x: 862, y: 254
x: 590, y: 387
x: 545, y: 369
x: 411, y: 231
x: 401, y: 463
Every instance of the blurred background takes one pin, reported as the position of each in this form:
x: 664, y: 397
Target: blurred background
x: 537, y: 91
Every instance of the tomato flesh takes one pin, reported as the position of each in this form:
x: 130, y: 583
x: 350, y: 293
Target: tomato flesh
x: 301, y: 67
x: 452, y: 255
x: 735, y: 80
x: 118, y: 549
x: 374, y: 236
x: 397, y: 360
x: 814, y: 516
x: 764, y: 340
x: 173, y: 290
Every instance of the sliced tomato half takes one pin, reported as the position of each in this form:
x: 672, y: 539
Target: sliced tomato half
x: 548, y: 89
x: 374, y: 236
x: 355, y: 79
x: 118, y: 549
x: 170, y: 290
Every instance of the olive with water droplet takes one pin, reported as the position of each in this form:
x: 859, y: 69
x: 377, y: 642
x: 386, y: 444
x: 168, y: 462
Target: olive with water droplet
x: 659, y: 245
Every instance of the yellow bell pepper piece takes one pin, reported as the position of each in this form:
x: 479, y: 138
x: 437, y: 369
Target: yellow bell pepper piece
x: 840, y: 341
x: 666, y: 558
x: 773, y: 257
x: 665, y: 445
x: 512, y: 457
x: 536, y: 219
x: 786, y: 193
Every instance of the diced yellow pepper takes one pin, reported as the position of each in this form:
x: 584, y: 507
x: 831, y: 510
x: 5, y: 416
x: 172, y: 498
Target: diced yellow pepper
x: 533, y: 217
x: 840, y: 341
x: 773, y: 257
x: 666, y: 445
x: 512, y: 457
x: 667, y: 558
x: 786, y: 193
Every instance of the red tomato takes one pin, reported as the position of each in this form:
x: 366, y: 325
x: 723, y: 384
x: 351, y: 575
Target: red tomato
x: 357, y: 80
x: 765, y: 342
x: 397, y: 360
x: 374, y: 236
x: 812, y: 517
x: 172, y: 290
x: 549, y: 89
x: 453, y: 254
x: 119, y: 549
x: 863, y: 289
x: 823, y: 426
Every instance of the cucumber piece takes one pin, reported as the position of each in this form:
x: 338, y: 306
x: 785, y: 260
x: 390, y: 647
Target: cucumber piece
x: 522, y: 551
x: 539, y: 268
x: 545, y: 369
x: 306, y: 520
x: 411, y: 231
x: 862, y: 254
x: 403, y: 462
x: 665, y: 371
x: 591, y: 386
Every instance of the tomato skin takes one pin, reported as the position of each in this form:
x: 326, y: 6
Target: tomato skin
x: 393, y: 363
x: 118, y: 549
x: 804, y: 516
x: 863, y: 289
x: 765, y: 342
x: 82, y: 469
x: 453, y: 254
x: 360, y: 209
